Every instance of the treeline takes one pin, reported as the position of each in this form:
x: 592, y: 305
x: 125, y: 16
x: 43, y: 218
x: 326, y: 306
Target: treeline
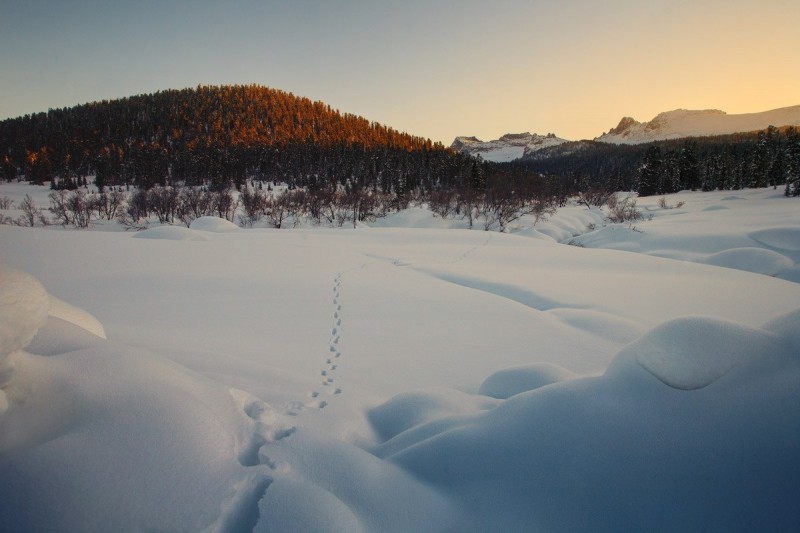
x: 745, y: 160
x: 218, y: 137
x: 492, y: 205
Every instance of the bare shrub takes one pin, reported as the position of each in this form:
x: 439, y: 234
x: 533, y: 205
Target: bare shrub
x: 59, y: 208
x: 109, y: 205
x: 468, y: 201
x: 623, y: 210
x: 595, y: 197
x: 31, y: 214
x: 662, y: 203
x: 163, y: 202
x: 277, y: 210
x: 442, y: 202
x: 296, y: 205
x: 6, y: 202
x: 223, y: 204
x: 254, y: 202
x: 193, y: 203
x: 134, y: 215
x: 81, y: 208
x: 363, y: 204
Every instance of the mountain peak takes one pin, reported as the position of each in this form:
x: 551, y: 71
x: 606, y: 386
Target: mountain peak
x: 681, y: 123
x: 509, y: 147
x: 625, y: 124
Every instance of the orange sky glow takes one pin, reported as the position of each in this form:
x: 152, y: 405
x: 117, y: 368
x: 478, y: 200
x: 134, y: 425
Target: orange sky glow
x: 436, y: 69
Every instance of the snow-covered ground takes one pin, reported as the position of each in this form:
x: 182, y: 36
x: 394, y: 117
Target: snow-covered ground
x: 413, y: 375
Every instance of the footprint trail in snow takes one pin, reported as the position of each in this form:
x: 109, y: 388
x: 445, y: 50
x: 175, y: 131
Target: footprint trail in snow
x: 327, y: 373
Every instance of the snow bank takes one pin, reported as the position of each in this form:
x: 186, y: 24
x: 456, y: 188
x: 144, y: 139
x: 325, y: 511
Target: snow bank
x: 171, y: 233
x: 622, y: 452
x: 117, y: 439
x: 692, y: 353
x: 77, y: 316
x: 511, y: 381
x: 787, y: 327
x: 787, y: 238
x: 24, y: 305
x: 419, y: 218
x: 757, y: 260
x: 213, y: 224
x: 407, y: 410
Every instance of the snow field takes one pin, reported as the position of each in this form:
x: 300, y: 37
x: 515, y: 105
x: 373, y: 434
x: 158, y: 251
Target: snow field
x: 395, y: 379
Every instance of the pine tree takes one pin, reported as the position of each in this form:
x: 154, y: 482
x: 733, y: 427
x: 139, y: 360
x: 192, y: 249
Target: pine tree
x: 792, y: 157
x: 650, y: 172
x: 689, y: 167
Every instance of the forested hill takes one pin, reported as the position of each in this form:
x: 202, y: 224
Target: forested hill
x: 211, y: 135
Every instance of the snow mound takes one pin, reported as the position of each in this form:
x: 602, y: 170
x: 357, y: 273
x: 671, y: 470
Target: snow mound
x: 24, y: 305
x: 757, y: 260
x: 409, y: 410
x: 171, y: 233
x: 213, y: 224
x: 74, y: 315
x: 788, y: 327
x: 563, y: 457
x: 781, y: 238
x: 512, y: 381
x: 716, y: 207
x: 605, y: 325
x: 279, y: 506
x: 415, y: 217
x: 694, y: 352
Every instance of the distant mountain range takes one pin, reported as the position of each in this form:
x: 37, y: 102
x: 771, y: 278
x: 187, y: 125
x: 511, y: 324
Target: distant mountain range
x: 509, y: 147
x: 687, y: 123
x: 676, y: 124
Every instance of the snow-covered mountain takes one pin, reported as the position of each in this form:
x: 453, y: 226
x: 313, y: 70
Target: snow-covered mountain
x: 509, y: 147
x: 696, y: 123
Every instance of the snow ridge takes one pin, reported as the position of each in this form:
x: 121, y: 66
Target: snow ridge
x: 697, y: 123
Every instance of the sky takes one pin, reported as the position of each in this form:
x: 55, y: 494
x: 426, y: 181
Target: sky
x: 432, y: 68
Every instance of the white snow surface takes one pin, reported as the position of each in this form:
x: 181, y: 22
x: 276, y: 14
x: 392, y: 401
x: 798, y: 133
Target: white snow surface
x: 697, y: 123
x: 412, y: 375
x: 24, y: 305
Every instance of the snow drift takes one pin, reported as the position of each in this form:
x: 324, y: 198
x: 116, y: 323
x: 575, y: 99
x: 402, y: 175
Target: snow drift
x: 396, y: 379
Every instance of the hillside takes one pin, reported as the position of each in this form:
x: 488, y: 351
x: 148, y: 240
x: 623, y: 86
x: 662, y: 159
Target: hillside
x: 682, y: 123
x: 208, y: 134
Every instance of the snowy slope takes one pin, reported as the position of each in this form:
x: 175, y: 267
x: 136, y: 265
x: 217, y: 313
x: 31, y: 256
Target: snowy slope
x: 394, y: 379
x: 508, y: 147
x: 695, y: 123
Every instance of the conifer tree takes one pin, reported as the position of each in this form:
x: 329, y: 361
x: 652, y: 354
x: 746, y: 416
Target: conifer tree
x: 650, y: 172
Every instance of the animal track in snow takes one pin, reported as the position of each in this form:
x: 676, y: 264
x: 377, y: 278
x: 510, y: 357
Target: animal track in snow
x: 262, y: 425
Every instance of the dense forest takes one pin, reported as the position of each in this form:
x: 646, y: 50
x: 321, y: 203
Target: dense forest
x: 742, y: 160
x: 217, y: 137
